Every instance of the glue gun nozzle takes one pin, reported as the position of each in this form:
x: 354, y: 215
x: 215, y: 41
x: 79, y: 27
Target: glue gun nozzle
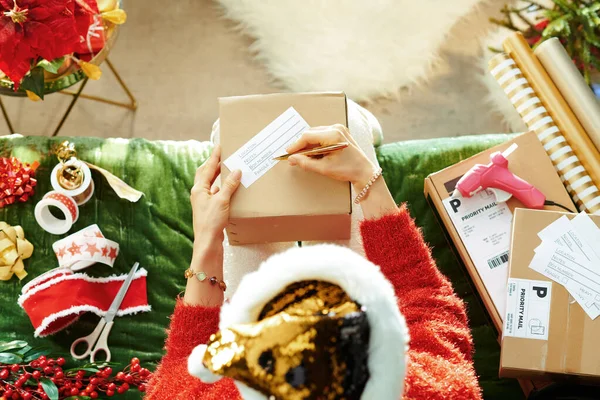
x: 456, y: 194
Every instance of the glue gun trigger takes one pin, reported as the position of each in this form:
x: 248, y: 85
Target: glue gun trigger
x: 501, y: 195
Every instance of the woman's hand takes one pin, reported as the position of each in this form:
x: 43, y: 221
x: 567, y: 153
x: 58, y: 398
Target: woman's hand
x: 210, y: 207
x: 350, y: 164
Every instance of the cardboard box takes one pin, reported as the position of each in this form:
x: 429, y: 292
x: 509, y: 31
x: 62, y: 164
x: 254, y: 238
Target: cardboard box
x: 529, y: 162
x: 572, y: 345
x: 286, y: 204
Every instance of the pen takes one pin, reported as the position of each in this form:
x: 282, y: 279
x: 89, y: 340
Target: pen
x: 316, y: 151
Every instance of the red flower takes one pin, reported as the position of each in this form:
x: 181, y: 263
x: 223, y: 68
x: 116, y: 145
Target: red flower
x: 539, y: 27
x: 34, y: 28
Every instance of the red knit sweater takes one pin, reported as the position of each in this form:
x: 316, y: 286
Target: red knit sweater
x: 439, y: 359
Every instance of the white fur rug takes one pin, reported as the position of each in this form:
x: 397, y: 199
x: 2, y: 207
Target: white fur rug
x: 367, y: 48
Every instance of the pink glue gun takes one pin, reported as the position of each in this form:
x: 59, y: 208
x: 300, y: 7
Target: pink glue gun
x: 497, y: 177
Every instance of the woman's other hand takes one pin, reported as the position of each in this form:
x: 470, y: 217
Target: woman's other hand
x: 350, y: 164
x: 210, y: 204
x: 210, y: 207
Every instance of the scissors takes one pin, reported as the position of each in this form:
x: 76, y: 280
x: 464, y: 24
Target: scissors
x: 99, y: 336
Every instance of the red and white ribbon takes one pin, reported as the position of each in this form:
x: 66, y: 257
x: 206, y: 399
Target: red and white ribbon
x: 57, y: 299
x: 49, y: 222
x: 85, y: 248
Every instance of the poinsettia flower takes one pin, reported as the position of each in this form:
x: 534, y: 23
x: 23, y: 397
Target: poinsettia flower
x: 34, y: 28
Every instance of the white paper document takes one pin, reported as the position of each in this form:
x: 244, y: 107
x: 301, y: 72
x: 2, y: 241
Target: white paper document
x: 484, y: 228
x: 255, y: 158
x: 527, y: 309
x: 568, y: 256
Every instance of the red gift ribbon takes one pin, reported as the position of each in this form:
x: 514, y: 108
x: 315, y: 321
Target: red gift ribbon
x: 17, y: 180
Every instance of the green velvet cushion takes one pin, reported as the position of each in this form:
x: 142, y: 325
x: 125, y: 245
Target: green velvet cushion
x: 157, y: 232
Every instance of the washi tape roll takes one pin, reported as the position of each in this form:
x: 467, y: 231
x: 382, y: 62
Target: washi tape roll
x: 49, y: 222
x: 524, y: 98
x: 85, y: 248
x: 79, y: 186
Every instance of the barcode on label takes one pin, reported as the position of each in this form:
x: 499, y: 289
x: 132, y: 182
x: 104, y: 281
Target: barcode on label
x: 498, y: 260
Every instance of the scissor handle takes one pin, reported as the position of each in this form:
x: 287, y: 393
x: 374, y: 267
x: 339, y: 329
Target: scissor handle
x: 89, y: 340
x: 102, y: 344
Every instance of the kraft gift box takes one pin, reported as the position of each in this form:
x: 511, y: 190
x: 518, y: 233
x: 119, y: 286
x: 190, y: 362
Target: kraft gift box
x: 287, y: 203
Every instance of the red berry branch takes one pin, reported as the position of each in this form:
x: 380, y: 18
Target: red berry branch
x: 44, y: 378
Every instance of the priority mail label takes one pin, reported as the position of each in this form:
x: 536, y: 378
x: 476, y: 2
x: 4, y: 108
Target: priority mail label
x: 527, y: 309
x: 484, y: 226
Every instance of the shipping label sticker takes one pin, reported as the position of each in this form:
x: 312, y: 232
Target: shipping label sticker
x: 527, y: 309
x: 256, y: 157
x: 484, y: 228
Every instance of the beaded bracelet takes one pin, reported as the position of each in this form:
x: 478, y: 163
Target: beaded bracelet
x: 202, y: 277
x: 365, y: 190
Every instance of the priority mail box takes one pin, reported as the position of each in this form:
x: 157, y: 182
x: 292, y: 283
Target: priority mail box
x: 546, y: 334
x: 286, y: 203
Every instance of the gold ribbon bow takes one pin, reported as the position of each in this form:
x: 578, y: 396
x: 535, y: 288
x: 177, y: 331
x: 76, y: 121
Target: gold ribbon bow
x: 14, y: 248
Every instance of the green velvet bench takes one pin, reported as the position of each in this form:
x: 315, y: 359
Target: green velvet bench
x: 157, y: 232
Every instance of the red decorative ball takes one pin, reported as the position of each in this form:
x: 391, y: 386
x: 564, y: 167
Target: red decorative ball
x: 120, y: 376
x: 128, y: 378
x: 4, y: 373
x: 94, y: 381
x: 74, y: 391
x: 110, y: 393
x: 48, y: 370
x: 59, y: 375
x: 27, y: 396
x: 112, y: 386
x: 107, y: 371
x: 94, y: 395
x: 60, y: 361
x: 142, y: 388
x: 135, y: 360
x: 36, y: 375
x: 15, y: 368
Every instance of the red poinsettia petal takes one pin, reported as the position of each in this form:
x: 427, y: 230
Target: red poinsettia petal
x: 49, y: 31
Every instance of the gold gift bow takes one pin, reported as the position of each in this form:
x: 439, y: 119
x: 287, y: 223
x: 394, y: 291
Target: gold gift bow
x: 14, y: 248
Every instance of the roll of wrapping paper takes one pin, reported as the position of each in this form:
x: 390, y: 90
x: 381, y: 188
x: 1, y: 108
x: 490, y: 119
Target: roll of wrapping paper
x: 580, y: 151
x: 567, y: 78
x: 531, y: 108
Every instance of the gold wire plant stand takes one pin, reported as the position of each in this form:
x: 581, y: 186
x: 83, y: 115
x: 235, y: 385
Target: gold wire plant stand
x: 71, y: 77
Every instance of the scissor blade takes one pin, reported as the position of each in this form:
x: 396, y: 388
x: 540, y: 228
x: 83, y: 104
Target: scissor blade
x: 114, y: 307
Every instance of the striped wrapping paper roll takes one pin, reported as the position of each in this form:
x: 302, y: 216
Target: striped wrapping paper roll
x: 577, y: 181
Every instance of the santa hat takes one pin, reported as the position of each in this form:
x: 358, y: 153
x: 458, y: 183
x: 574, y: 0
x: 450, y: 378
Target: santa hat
x: 311, y: 320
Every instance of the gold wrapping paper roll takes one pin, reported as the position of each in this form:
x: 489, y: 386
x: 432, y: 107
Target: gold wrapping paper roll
x: 572, y: 86
x: 555, y: 106
x: 579, y: 184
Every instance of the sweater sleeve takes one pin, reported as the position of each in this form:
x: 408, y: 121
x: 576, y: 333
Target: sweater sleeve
x: 440, y: 362
x: 190, y: 326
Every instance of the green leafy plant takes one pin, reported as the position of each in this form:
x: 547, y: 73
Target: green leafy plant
x: 29, y: 373
x: 576, y: 23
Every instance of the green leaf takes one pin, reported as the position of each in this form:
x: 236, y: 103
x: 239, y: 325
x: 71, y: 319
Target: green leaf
x: 9, y: 358
x: 34, y: 82
x: 52, y: 66
x: 24, y: 350
x: 15, y: 344
x: 35, y: 353
x: 50, y: 388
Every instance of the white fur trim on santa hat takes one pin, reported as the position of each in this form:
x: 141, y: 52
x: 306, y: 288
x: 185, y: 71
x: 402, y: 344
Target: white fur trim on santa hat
x: 360, y: 279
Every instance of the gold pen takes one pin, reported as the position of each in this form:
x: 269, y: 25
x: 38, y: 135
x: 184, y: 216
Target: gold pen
x: 316, y: 151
